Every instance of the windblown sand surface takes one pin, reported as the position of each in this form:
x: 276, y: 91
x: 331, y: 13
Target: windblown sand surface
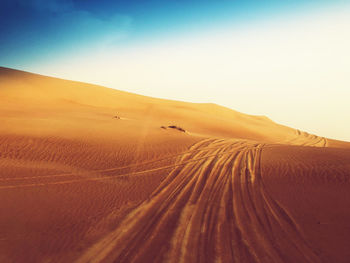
x: 91, y: 174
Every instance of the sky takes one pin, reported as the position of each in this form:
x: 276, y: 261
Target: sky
x: 288, y: 60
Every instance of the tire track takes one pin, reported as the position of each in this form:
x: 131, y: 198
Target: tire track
x: 306, y: 139
x: 215, y: 209
x: 84, y: 172
x: 87, y: 176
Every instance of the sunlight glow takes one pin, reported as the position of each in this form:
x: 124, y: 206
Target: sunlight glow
x: 292, y: 69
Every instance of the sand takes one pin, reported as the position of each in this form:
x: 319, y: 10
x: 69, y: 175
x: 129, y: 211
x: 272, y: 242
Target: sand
x: 91, y: 174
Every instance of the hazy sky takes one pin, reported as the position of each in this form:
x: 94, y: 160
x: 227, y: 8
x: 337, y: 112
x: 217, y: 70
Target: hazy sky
x: 288, y: 60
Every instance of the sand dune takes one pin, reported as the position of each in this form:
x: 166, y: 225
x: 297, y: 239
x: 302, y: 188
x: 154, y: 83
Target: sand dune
x: 88, y: 174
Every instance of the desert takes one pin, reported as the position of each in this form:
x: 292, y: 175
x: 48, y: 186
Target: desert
x: 91, y: 174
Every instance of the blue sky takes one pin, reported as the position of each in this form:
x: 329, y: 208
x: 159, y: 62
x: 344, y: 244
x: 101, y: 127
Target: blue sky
x: 288, y: 60
x: 32, y: 31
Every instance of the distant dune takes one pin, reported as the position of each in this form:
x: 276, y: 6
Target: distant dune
x: 91, y: 174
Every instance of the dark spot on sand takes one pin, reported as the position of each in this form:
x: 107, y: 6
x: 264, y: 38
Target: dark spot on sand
x: 173, y: 127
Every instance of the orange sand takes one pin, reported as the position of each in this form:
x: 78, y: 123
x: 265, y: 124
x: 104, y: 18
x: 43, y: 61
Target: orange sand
x: 87, y: 174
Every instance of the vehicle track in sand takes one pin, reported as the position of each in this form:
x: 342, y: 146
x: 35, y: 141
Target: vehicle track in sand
x: 307, y: 139
x: 97, y: 175
x: 215, y: 209
x: 302, y: 138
